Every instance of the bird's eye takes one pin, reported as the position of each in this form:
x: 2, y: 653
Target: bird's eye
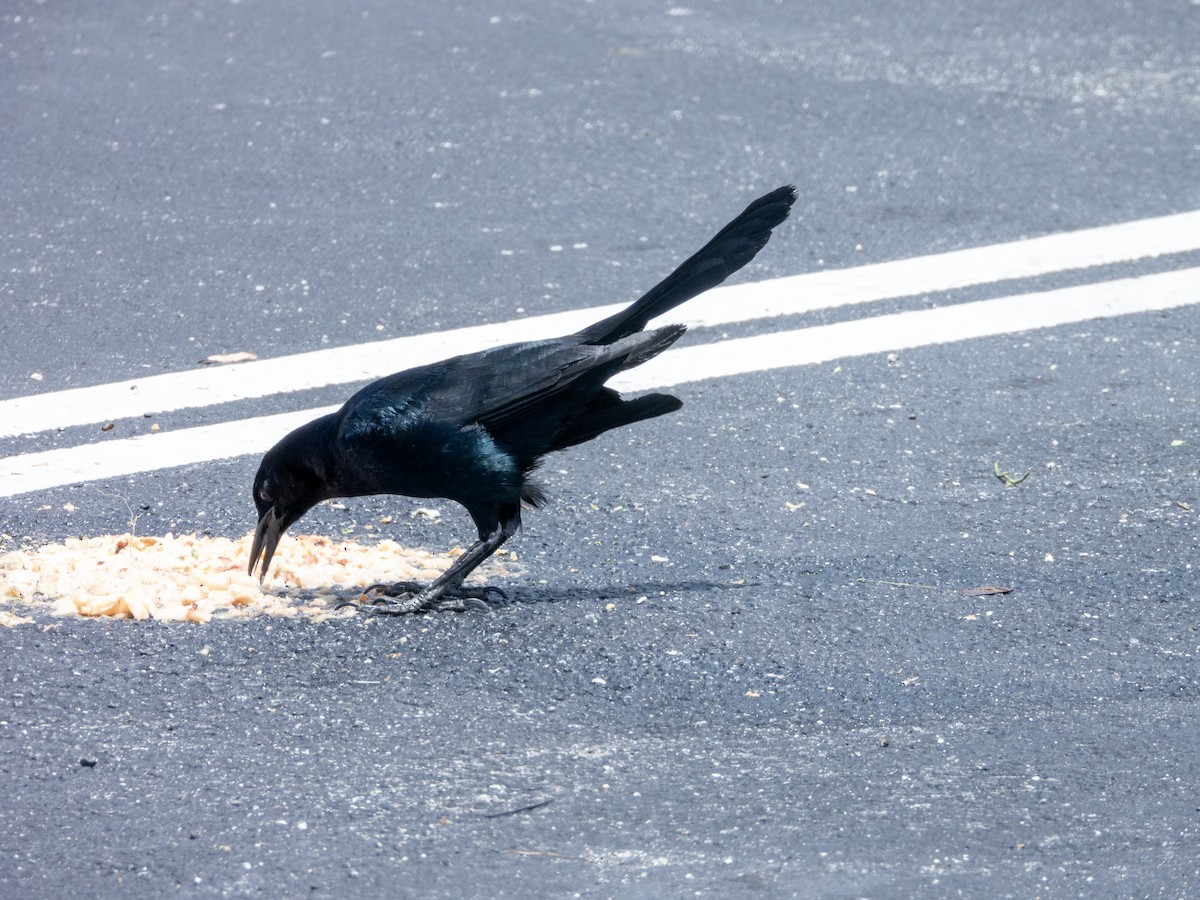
x: 263, y: 495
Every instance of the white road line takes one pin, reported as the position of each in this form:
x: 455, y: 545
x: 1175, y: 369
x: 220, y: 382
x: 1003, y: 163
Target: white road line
x: 1023, y: 312
x: 722, y: 306
x: 904, y: 331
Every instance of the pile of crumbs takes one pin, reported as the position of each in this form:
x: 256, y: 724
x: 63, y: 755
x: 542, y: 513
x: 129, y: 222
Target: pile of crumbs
x: 191, y: 578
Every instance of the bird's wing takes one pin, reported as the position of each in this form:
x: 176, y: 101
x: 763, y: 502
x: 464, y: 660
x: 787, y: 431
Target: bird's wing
x: 500, y: 386
x: 494, y: 388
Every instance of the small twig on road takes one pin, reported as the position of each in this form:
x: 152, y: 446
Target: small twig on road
x: 512, y: 812
x: 986, y: 591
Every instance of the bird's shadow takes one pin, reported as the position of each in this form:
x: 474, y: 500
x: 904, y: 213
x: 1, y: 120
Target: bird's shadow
x: 496, y: 598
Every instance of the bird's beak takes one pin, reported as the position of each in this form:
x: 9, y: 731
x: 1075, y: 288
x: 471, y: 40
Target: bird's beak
x: 266, y: 539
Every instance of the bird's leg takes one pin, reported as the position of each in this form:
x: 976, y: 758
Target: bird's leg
x: 446, y: 591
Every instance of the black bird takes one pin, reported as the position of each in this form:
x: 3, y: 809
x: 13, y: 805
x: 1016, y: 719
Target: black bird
x: 474, y: 428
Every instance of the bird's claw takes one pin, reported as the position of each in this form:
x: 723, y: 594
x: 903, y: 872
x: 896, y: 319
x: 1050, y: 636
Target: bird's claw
x: 481, y: 593
x: 405, y: 597
x: 458, y: 604
x: 415, y: 588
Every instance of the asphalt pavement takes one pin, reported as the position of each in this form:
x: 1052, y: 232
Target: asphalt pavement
x: 747, y: 650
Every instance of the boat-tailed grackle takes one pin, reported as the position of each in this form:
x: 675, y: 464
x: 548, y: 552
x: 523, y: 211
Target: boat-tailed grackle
x: 474, y: 428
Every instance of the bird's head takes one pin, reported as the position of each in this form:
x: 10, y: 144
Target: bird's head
x: 288, y: 484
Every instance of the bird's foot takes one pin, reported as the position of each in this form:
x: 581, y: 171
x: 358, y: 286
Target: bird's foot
x: 451, y: 593
x: 404, y: 597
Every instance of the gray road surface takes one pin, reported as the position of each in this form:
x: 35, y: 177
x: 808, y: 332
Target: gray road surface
x: 797, y: 703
